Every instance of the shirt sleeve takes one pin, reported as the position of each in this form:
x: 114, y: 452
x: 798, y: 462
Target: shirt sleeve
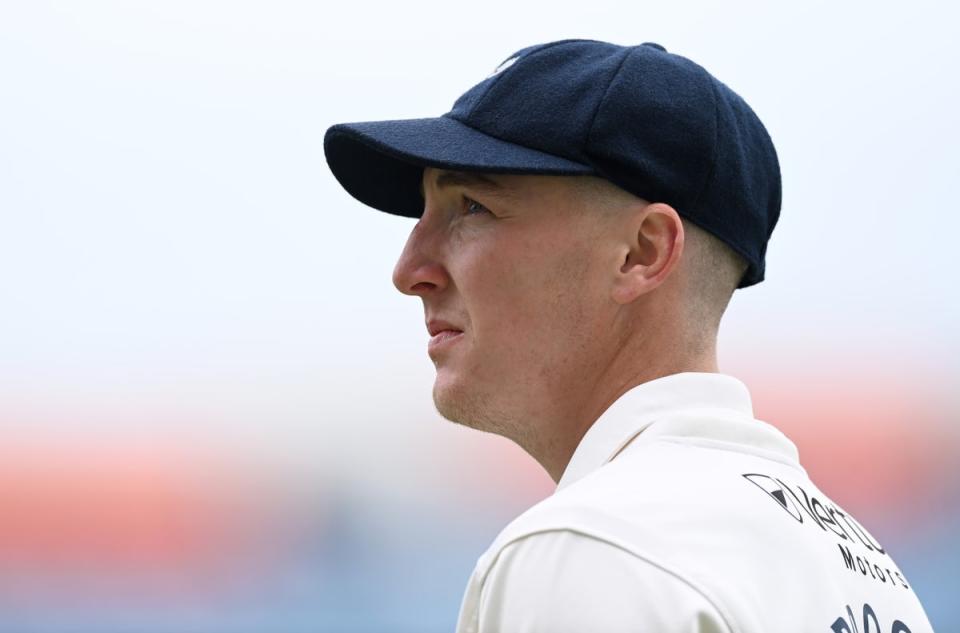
x: 567, y: 582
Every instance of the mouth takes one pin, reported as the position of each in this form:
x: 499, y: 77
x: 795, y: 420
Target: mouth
x: 442, y: 335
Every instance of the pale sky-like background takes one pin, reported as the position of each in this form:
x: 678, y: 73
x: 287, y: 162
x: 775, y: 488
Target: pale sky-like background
x: 178, y: 263
x: 171, y: 232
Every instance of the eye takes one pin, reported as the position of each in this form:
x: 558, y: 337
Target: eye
x: 472, y: 207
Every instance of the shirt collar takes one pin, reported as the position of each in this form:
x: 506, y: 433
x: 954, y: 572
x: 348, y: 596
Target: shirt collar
x: 654, y: 400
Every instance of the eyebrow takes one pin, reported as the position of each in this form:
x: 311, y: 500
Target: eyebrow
x: 466, y: 179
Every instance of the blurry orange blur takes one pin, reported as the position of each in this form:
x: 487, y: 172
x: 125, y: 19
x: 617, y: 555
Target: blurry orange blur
x: 169, y: 518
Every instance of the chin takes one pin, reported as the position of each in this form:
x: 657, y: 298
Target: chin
x: 450, y: 401
x: 458, y: 403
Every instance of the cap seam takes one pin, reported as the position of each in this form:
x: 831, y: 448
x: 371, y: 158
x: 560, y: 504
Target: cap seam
x: 716, y: 143
x: 752, y: 269
x: 603, y: 98
x: 503, y: 74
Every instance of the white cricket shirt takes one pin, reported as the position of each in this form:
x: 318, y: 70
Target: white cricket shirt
x: 705, y: 522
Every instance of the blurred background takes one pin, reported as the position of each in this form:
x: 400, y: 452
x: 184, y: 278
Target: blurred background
x: 214, y: 407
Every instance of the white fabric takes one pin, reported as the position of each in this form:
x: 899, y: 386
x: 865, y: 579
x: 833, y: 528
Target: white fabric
x: 680, y: 512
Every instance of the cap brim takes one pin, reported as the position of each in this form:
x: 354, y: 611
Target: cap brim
x: 380, y: 163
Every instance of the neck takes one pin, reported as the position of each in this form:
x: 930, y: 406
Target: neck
x: 629, y: 366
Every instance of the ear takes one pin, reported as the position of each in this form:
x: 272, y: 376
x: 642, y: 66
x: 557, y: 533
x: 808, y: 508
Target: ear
x: 651, y: 251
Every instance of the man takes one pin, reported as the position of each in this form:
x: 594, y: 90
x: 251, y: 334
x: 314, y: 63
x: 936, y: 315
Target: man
x: 585, y: 214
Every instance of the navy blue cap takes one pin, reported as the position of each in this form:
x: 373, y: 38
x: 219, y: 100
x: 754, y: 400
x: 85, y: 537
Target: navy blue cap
x: 654, y: 123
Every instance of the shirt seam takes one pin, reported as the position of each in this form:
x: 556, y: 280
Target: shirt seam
x: 703, y: 593
x: 733, y: 447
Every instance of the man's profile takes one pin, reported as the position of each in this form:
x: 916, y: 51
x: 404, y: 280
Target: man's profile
x: 585, y: 214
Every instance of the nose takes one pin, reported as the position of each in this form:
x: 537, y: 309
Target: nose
x: 419, y: 271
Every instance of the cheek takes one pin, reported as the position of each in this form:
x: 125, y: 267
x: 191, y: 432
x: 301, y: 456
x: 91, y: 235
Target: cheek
x: 496, y: 287
x: 532, y: 295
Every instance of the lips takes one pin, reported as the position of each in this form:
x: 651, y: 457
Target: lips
x: 442, y: 334
x: 436, y: 326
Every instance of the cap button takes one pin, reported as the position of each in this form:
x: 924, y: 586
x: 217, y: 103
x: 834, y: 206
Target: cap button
x: 654, y: 45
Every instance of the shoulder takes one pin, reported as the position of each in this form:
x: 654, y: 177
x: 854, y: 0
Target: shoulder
x: 620, y: 547
x: 564, y: 580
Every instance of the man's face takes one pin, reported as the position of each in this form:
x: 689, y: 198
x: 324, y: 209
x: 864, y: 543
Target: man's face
x: 515, y: 281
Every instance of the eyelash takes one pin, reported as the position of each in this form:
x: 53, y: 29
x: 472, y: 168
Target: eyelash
x: 470, y: 202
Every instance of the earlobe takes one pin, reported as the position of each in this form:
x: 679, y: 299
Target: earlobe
x: 655, y: 243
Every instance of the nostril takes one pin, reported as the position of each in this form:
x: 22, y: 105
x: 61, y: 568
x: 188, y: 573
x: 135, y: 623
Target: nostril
x: 423, y: 286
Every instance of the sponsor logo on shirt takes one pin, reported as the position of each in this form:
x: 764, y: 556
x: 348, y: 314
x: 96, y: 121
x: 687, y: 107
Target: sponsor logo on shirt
x: 870, y: 621
x: 808, y: 509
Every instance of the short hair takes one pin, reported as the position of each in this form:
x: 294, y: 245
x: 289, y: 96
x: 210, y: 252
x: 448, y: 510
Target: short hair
x: 712, y: 269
